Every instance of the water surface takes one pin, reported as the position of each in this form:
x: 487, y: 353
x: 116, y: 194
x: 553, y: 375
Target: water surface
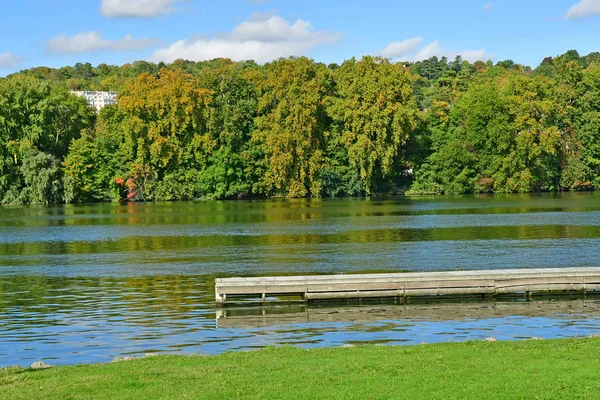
x: 86, y: 283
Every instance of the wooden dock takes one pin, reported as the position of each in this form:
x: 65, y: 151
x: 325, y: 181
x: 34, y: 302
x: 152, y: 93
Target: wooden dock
x: 402, y: 285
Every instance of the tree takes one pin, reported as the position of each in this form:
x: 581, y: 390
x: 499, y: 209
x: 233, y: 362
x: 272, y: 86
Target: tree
x: 298, y: 128
x: 35, y: 117
x: 374, y: 113
x: 506, y: 64
x: 291, y: 126
x: 502, y: 137
x: 583, y: 168
x: 232, y: 112
x: 42, y: 178
x: 93, y: 168
x: 164, y: 130
x: 84, y: 71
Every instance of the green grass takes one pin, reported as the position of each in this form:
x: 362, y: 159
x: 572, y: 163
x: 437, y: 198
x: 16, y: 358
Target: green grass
x: 542, y: 369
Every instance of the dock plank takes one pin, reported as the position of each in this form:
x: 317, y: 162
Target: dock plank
x: 485, y: 282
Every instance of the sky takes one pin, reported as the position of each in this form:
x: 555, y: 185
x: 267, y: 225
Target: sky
x: 57, y: 33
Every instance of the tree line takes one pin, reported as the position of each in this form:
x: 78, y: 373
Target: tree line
x: 299, y: 128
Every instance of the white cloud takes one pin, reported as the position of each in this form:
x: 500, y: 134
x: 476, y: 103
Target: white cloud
x: 86, y: 42
x: 136, y: 8
x: 488, y: 7
x: 407, y: 51
x: 263, y: 37
x: 584, y: 8
x: 401, y: 48
x: 432, y: 49
x: 9, y: 60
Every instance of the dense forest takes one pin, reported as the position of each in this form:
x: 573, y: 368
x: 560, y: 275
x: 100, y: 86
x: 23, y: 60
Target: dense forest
x: 298, y: 128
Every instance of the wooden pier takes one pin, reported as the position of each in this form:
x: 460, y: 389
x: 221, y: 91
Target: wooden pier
x: 402, y: 285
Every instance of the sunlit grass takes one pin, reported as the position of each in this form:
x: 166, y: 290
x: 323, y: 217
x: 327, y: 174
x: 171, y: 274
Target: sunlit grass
x: 536, y: 369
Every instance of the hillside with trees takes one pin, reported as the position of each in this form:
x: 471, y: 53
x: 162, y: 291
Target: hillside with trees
x: 298, y: 128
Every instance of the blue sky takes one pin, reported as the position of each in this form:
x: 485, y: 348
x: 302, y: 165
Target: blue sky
x: 56, y: 33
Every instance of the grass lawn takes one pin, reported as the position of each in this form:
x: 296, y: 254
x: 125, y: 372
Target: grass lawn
x: 536, y: 369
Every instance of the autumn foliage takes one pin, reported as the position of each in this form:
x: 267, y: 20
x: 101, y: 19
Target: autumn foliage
x: 298, y: 128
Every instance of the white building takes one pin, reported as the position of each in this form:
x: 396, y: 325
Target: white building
x: 98, y: 100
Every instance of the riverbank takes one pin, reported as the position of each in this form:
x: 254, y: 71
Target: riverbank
x: 563, y: 368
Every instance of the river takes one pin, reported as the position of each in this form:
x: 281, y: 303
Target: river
x: 87, y: 283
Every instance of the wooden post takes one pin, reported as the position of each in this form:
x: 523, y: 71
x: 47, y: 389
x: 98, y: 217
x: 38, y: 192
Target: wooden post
x: 219, y: 298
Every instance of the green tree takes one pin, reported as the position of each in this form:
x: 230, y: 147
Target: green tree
x: 232, y: 112
x: 36, y: 116
x: 502, y: 137
x: 374, y: 113
x: 583, y: 168
x: 291, y: 126
x: 42, y: 178
x: 164, y: 131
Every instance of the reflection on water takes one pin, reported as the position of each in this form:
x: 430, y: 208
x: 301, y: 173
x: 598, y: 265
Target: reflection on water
x: 88, y: 283
x: 422, y: 310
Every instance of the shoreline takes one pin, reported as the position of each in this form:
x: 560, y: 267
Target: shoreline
x: 373, y: 196
x: 555, y: 368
